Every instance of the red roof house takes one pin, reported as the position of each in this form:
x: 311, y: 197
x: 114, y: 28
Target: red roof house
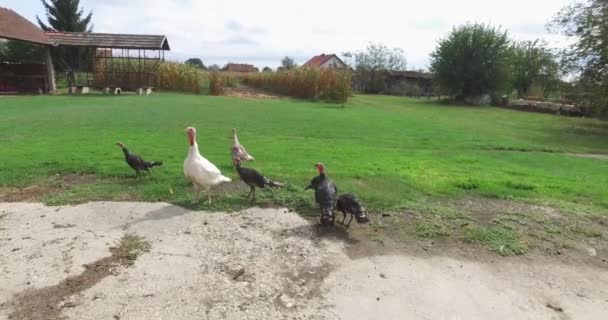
x: 329, y: 61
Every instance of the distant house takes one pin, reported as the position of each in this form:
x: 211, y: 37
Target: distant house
x: 327, y: 61
x: 239, y: 67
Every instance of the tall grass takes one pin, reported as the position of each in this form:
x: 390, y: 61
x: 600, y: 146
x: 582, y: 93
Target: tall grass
x: 131, y: 73
x: 305, y: 83
x: 216, y: 84
x: 181, y: 77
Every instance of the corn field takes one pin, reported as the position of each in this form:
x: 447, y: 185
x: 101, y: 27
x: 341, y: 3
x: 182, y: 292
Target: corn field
x: 181, y: 77
x: 304, y: 83
x: 129, y: 73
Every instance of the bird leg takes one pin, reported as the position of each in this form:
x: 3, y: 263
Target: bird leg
x: 251, y: 188
x: 349, y: 221
x: 343, y: 217
x: 137, y: 174
x: 208, y: 197
x: 197, y: 194
x: 253, y: 198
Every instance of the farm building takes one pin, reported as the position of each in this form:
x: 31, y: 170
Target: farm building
x: 326, y: 61
x: 25, y: 74
x: 111, y: 60
x: 101, y: 60
x: 239, y: 67
x: 409, y: 83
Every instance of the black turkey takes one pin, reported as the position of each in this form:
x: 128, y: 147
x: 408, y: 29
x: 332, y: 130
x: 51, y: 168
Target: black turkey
x: 252, y: 177
x: 136, y: 162
x: 349, y: 204
x: 326, y: 195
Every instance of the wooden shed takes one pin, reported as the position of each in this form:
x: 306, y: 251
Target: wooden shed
x: 128, y: 61
x: 25, y: 76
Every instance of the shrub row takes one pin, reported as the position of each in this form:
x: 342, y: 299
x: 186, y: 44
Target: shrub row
x: 304, y: 83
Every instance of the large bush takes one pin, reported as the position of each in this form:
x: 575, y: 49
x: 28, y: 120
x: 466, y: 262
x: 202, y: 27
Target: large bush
x: 534, y: 65
x: 305, y: 83
x: 586, y: 24
x: 471, y: 62
x: 373, y: 64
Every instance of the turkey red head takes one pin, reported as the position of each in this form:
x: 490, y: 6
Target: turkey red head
x: 191, y: 133
x: 120, y: 144
x: 320, y: 167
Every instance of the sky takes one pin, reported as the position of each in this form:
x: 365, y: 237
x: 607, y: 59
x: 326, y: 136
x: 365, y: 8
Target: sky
x: 262, y: 32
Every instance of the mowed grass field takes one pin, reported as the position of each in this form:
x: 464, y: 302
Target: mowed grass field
x: 393, y: 152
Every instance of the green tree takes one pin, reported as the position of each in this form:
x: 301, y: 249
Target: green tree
x: 586, y: 24
x: 472, y: 61
x: 196, y: 62
x: 66, y: 15
x: 288, y: 64
x: 534, y: 64
x: 13, y: 50
x: 372, y: 64
x: 267, y: 69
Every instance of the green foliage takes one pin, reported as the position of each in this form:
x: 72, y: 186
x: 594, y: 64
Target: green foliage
x: 534, y: 64
x: 373, y: 63
x: 585, y: 22
x: 196, y: 62
x: 13, y: 50
x: 288, y: 64
x: 66, y: 15
x: 305, y: 83
x: 267, y: 69
x: 501, y: 240
x: 473, y: 60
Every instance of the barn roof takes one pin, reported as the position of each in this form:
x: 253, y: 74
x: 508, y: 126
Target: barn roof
x: 109, y: 40
x: 317, y: 61
x: 15, y: 27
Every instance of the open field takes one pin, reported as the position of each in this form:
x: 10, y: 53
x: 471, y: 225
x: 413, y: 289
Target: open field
x: 480, y: 174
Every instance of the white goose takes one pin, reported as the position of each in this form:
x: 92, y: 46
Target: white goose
x: 203, y: 174
x: 242, y: 153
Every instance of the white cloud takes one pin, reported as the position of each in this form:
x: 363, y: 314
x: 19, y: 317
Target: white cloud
x: 263, y: 31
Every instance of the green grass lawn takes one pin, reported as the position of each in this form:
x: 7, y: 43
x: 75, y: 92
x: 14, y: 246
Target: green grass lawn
x: 391, y: 151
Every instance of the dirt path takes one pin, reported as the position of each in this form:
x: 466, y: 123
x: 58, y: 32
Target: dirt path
x: 259, y: 264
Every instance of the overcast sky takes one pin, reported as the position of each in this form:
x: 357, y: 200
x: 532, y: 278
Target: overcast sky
x: 262, y: 32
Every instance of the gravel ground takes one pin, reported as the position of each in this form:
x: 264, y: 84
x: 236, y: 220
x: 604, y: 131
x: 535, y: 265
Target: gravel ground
x: 259, y: 264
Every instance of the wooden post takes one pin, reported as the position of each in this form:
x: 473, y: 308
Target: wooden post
x: 50, y: 71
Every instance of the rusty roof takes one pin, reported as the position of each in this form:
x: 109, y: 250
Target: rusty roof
x: 317, y: 61
x: 109, y: 40
x: 15, y: 27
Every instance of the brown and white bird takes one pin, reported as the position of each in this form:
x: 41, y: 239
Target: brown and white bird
x: 252, y: 177
x: 203, y: 174
x: 242, y: 152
